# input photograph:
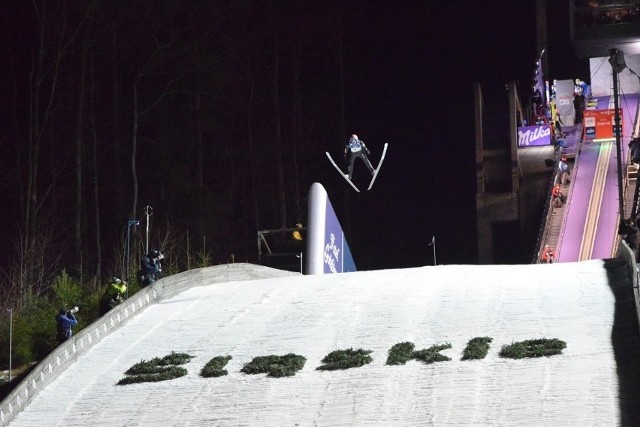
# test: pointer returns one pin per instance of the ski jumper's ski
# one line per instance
(375, 172)
(345, 176)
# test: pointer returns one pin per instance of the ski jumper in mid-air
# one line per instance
(356, 148)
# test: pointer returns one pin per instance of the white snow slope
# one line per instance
(315, 315)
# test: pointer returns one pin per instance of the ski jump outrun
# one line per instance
(354, 149)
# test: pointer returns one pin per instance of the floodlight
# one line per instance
(617, 60)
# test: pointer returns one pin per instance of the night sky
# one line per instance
(409, 71)
(418, 62)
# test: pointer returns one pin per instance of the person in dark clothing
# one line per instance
(65, 320)
(356, 148)
(536, 98)
(629, 231)
(578, 106)
(634, 150)
(558, 128)
(151, 267)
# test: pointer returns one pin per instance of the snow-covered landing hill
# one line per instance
(593, 383)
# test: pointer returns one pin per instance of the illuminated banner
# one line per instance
(327, 248)
(529, 136)
(599, 124)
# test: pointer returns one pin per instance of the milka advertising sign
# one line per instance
(529, 136)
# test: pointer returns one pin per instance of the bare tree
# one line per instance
(95, 176)
(57, 32)
(79, 128)
(296, 134)
(161, 54)
(281, 190)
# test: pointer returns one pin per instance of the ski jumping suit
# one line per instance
(356, 148)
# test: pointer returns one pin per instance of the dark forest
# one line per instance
(214, 117)
(204, 111)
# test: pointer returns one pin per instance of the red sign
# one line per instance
(598, 124)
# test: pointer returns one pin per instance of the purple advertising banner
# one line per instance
(529, 136)
(332, 253)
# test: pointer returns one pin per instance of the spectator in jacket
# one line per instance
(548, 255)
(563, 170)
(558, 198)
(113, 296)
(65, 320)
(151, 267)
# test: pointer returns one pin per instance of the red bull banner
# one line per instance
(327, 248)
(599, 124)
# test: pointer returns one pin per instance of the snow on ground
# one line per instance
(314, 315)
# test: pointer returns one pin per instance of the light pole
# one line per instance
(148, 210)
(300, 256)
(634, 205)
(131, 222)
(10, 339)
(433, 243)
(617, 65)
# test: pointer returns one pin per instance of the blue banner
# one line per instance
(336, 256)
(327, 248)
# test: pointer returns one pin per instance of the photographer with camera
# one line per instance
(151, 267)
(65, 320)
(113, 296)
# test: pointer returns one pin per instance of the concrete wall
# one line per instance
(68, 352)
(627, 255)
(492, 208)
